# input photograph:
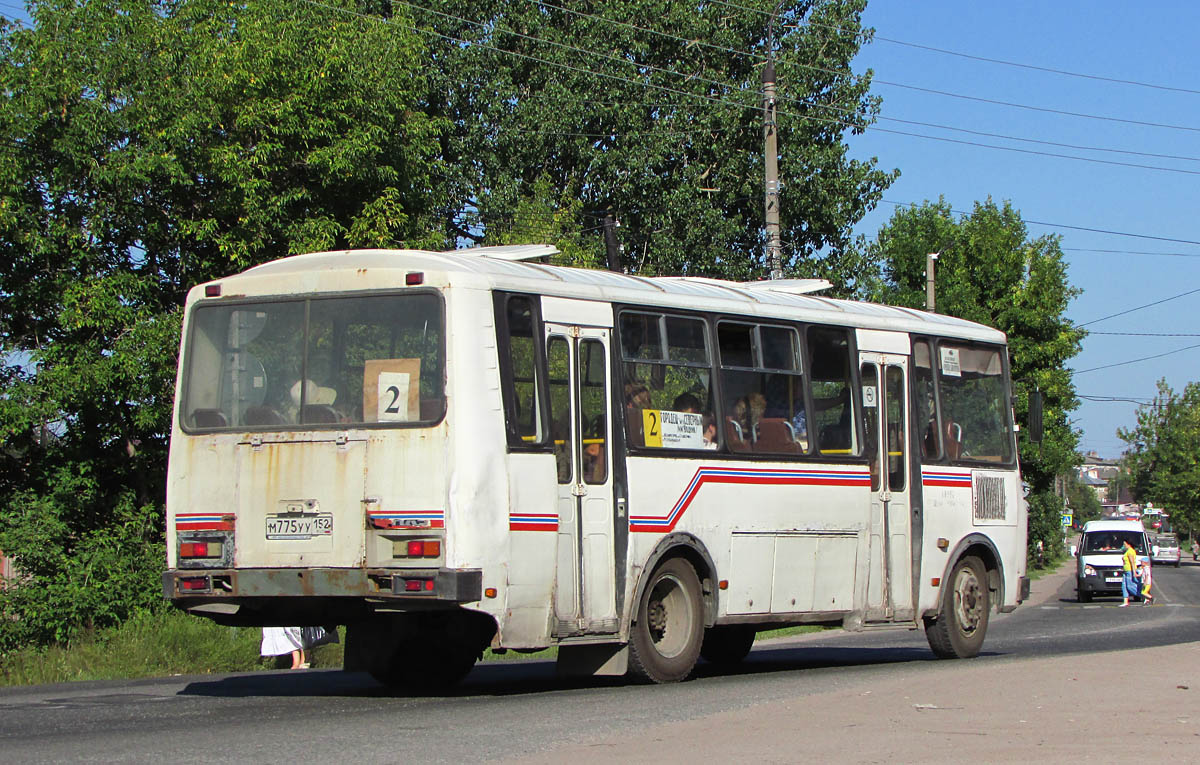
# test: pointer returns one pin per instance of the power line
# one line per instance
(1063, 225)
(759, 57)
(1147, 334)
(726, 86)
(1135, 361)
(944, 51)
(1138, 308)
(1014, 105)
(1035, 67)
(1133, 252)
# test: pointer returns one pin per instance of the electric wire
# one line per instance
(1138, 308)
(760, 58)
(985, 59)
(1135, 361)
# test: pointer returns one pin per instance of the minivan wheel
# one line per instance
(1084, 597)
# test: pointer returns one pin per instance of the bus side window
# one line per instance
(924, 392)
(833, 407)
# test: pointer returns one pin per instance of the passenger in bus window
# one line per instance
(690, 404)
(637, 395)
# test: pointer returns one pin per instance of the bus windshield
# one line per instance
(316, 363)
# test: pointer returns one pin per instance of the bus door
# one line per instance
(885, 413)
(581, 426)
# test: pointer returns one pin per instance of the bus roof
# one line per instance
(510, 268)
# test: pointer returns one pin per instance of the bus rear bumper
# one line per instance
(189, 587)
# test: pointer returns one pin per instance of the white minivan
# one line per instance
(1098, 556)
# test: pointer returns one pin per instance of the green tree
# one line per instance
(146, 146)
(652, 109)
(1082, 499)
(1163, 459)
(990, 271)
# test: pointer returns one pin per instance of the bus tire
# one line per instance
(727, 645)
(958, 630)
(665, 639)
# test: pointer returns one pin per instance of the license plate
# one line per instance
(299, 526)
(1112, 579)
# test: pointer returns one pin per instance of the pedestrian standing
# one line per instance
(1195, 549)
(1129, 562)
(277, 641)
(1146, 577)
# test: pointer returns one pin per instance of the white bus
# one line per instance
(456, 450)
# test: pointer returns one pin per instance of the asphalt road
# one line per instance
(521, 711)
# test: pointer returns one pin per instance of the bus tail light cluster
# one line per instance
(417, 548)
(419, 585)
(200, 549)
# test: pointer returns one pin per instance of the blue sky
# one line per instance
(1150, 43)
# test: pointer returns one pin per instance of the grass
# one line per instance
(151, 645)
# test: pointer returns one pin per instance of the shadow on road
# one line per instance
(536, 677)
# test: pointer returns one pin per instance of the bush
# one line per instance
(150, 645)
(1045, 525)
(76, 573)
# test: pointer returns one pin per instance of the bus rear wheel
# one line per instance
(664, 642)
(727, 644)
(958, 630)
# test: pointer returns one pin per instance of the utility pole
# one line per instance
(930, 259)
(610, 245)
(771, 154)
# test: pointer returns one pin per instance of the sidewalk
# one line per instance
(1059, 709)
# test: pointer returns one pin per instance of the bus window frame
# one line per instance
(936, 342)
(717, 389)
(516, 443)
(306, 299)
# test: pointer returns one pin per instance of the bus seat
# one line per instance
(319, 414)
(734, 436)
(775, 437)
(263, 415)
(209, 418)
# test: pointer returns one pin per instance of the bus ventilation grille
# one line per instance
(989, 498)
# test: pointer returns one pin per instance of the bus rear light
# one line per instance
(936, 581)
(212, 290)
(194, 583)
(417, 548)
(413, 278)
(418, 585)
(200, 550)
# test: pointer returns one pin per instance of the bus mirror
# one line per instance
(1035, 416)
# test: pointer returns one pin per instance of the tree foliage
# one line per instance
(990, 271)
(1163, 459)
(146, 146)
(652, 109)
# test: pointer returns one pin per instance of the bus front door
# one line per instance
(581, 425)
(885, 412)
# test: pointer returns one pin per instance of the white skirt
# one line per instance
(277, 641)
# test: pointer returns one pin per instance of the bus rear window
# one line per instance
(322, 363)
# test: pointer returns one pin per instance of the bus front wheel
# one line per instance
(664, 642)
(958, 630)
